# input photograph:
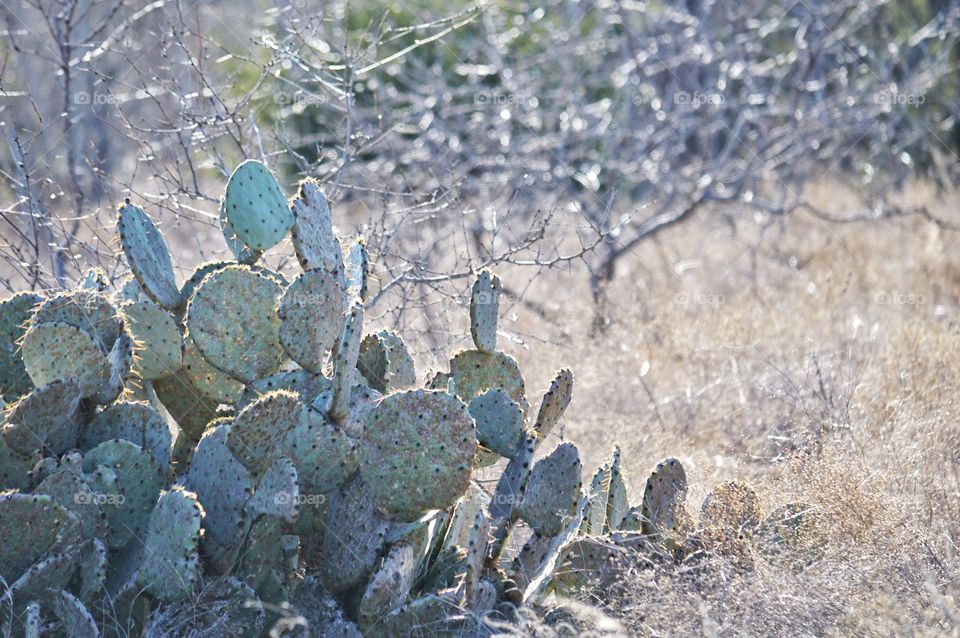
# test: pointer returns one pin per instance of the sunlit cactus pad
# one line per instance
(146, 252)
(255, 207)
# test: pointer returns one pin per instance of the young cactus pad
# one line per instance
(485, 310)
(554, 403)
(312, 233)
(233, 319)
(147, 255)
(255, 207)
(417, 450)
(663, 511)
(474, 372)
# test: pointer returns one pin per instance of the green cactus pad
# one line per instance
(499, 422)
(241, 252)
(307, 384)
(121, 363)
(15, 313)
(345, 365)
(214, 384)
(728, 517)
(476, 555)
(255, 206)
(617, 505)
(354, 535)
(554, 403)
(386, 363)
(312, 233)
(171, 561)
(136, 422)
(147, 255)
(475, 372)
(193, 282)
(509, 488)
(59, 351)
(259, 431)
(323, 453)
(51, 531)
(52, 572)
(88, 310)
(76, 496)
(389, 586)
(417, 450)
(552, 491)
(191, 409)
(595, 515)
(363, 400)
(595, 560)
(156, 340)
(233, 320)
(222, 485)
(92, 570)
(356, 270)
(277, 493)
(663, 513)
(311, 312)
(75, 619)
(139, 479)
(485, 310)
(15, 471)
(464, 515)
(44, 419)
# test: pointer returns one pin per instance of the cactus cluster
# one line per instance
(238, 440)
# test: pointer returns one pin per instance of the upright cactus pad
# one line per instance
(312, 314)
(356, 270)
(156, 340)
(416, 451)
(259, 431)
(88, 310)
(485, 311)
(222, 485)
(323, 453)
(44, 419)
(147, 255)
(345, 364)
(499, 422)
(554, 403)
(474, 372)
(15, 313)
(140, 481)
(354, 535)
(386, 363)
(255, 206)
(313, 239)
(553, 491)
(190, 408)
(617, 506)
(241, 252)
(137, 422)
(170, 563)
(389, 586)
(663, 512)
(57, 351)
(74, 617)
(120, 361)
(211, 382)
(233, 320)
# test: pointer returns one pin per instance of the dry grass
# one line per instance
(817, 361)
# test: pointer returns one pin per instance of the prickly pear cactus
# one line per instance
(51, 528)
(255, 207)
(728, 517)
(417, 450)
(190, 408)
(385, 362)
(170, 565)
(212, 383)
(312, 314)
(156, 340)
(354, 536)
(259, 431)
(232, 318)
(553, 491)
(44, 419)
(57, 351)
(499, 422)
(312, 233)
(136, 422)
(554, 403)
(475, 372)
(485, 311)
(15, 313)
(147, 254)
(323, 453)
(663, 513)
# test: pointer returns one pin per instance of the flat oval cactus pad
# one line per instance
(256, 207)
(233, 319)
(53, 351)
(417, 451)
(474, 372)
(156, 340)
(312, 234)
(312, 314)
(147, 255)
